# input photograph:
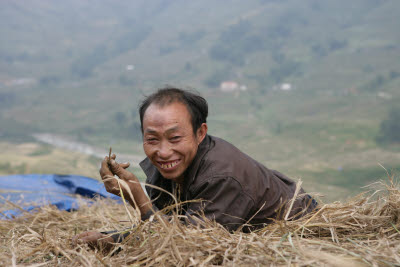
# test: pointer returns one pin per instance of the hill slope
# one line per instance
(80, 68)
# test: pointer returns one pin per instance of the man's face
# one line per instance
(168, 139)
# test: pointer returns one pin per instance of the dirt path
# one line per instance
(68, 144)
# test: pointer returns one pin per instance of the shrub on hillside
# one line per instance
(7, 99)
(285, 69)
(127, 126)
(236, 42)
(390, 128)
(188, 38)
(375, 84)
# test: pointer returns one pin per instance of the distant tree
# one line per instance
(278, 127)
(7, 99)
(24, 56)
(368, 68)
(120, 118)
(166, 49)
(375, 84)
(235, 43)
(283, 70)
(319, 50)
(134, 114)
(124, 80)
(132, 39)
(127, 125)
(188, 66)
(390, 128)
(215, 79)
(278, 56)
(279, 30)
(87, 130)
(394, 75)
(83, 66)
(49, 80)
(134, 131)
(188, 38)
(82, 69)
(227, 52)
(253, 43)
(337, 44)
(236, 31)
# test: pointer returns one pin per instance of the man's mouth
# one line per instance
(169, 165)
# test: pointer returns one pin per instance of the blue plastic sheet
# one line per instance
(34, 190)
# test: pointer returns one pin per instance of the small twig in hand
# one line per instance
(109, 158)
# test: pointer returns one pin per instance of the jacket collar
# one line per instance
(191, 172)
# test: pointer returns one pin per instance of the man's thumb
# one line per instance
(124, 165)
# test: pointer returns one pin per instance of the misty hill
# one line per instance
(308, 82)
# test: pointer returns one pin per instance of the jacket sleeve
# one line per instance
(223, 200)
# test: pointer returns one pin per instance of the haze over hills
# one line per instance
(311, 80)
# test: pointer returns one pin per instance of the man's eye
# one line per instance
(151, 139)
(175, 138)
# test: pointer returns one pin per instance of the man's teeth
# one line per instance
(170, 165)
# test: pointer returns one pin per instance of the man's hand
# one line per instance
(94, 240)
(109, 168)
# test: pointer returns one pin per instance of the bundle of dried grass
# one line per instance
(364, 231)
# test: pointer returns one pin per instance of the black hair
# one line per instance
(196, 104)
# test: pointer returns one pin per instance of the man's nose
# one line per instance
(165, 150)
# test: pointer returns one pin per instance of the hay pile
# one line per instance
(364, 231)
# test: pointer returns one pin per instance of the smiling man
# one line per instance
(170, 136)
(190, 164)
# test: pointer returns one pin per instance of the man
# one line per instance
(187, 162)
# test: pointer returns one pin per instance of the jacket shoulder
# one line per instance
(225, 160)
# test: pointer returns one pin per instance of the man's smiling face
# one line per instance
(168, 139)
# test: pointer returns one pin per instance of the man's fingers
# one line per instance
(93, 239)
(124, 165)
(105, 170)
(85, 237)
(76, 240)
(104, 163)
(120, 170)
(115, 167)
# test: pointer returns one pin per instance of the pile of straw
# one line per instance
(363, 231)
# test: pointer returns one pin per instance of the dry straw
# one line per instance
(363, 231)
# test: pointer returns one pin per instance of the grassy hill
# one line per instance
(80, 68)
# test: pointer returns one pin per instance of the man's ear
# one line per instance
(201, 132)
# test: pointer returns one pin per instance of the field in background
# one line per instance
(27, 158)
(74, 70)
(332, 184)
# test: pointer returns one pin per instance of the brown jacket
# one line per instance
(235, 188)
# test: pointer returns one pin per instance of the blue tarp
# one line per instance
(47, 189)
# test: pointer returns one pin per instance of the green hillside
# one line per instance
(80, 68)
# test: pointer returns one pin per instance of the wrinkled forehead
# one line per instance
(174, 114)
